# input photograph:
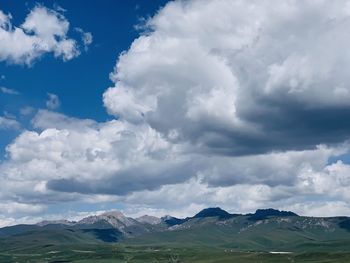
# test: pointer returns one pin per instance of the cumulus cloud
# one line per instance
(43, 31)
(118, 157)
(263, 76)
(243, 111)
(45, 119)
(141, 168)
(189, 197)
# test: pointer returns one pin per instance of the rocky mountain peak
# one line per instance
(146, 219)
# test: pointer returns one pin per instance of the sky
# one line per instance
(157, 107)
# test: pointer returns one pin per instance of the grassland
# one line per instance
(208, 240)
(122, 253)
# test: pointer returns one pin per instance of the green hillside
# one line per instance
(209, 236)
(297, 234)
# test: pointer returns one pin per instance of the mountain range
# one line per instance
(264, 230)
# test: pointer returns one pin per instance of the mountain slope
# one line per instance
(214, 212)
(265, 230)
(241, 233)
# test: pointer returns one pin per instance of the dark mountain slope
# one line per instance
(261, 214)
(214, 212)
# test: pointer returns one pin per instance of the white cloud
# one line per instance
(86, 37)
(43, 31)
(188, 198)
(53, 101)
(333, 208)
(45, 119)
(134, 165)
(250, 81)
(8, 124)
(9, 91)
(243, 110)
(89, 154)
(27, 110)
(20, 208)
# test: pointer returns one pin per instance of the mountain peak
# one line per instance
(213, 212)
(270, 212)
(114, 218)
(152, 220)
(114, 213)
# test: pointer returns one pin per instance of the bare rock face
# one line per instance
(115, 218)
(146, 219)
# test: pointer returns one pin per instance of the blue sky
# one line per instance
(157, 107)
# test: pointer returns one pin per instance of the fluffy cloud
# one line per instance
(262, 76)
(244, 110)
(85, 157)
(45, 119)
(43, 31)
(92, 162)
(189, 197)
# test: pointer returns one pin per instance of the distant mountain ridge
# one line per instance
(152, 220)
(56, 222)
(265, 213)
(118, 220)
(222, 214)
(263, 230)
(130, 227)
